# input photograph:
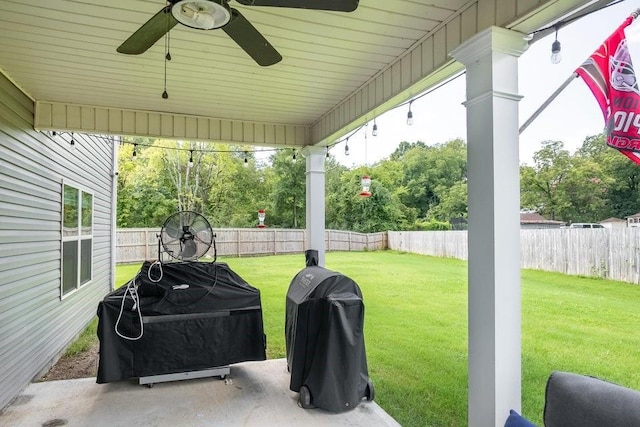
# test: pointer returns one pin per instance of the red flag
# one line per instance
(609, 74)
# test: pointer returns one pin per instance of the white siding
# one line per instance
(35, 325)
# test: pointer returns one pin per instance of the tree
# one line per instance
(381, 211)
(288, 190)
(622, 176)
(182, 165)
(144, 199)
(404, 147)
(232, 187)
(542, 185)
(586, 192)
(453, 203)
(333, 184)
(429, 171)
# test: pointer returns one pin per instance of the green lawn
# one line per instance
(416, 328)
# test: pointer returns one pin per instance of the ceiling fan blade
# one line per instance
(250, 39)
(147, 35)
(335, 5)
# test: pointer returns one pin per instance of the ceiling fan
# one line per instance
(212, 14)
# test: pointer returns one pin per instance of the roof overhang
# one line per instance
(338, 71)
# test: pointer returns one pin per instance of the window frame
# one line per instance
(79, 237)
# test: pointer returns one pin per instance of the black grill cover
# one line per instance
(324, 338)
(215, 321)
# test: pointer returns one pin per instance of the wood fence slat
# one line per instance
(606, 253)
(136, 245)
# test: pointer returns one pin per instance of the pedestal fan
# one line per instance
(186, 236)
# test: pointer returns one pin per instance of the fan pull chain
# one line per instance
(167, 57)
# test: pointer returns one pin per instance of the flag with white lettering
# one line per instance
(609, 74)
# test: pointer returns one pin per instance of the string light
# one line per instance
(410, 114)
(72, 142)
(556, 57)
(345, 139)
(190, 164)
(246, 160)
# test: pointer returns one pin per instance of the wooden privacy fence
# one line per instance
(139, 244)
(606, 253)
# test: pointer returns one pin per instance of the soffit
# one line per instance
(64, 52)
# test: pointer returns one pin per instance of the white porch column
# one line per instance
(490, 59)
(315, 199)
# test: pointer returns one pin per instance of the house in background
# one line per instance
(529, 220)
(614, 223)
(633, 220)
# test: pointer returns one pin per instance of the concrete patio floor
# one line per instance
(253, 394)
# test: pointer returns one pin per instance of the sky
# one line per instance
(570, 118)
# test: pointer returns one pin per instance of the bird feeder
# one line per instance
(261, 216)
(366, 185)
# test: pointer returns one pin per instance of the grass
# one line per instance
(84, 342)
(416, 328)
(88, 337)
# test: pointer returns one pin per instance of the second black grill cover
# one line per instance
(324, 338)
(199, 316)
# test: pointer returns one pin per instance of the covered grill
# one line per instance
(325, 341)
(177, 318)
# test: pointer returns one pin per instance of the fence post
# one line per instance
(238, 242)
(146, 244)
(275, 243)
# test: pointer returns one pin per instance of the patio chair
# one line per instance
(573, 400)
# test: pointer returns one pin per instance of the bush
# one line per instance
(432, 225)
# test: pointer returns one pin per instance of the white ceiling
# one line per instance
(65, 51)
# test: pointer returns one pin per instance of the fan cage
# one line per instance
(186, 236)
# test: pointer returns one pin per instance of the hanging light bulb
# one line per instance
(327, 152)
(294, 155)
(246, 160)
(133, 156)
(346, 147)
(556, 57)
(167, 58)
(190, 164)
(72, 142)
(374, 131)
(410, 115)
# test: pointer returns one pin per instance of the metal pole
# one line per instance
(546, 103)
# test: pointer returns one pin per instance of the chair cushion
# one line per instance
(517, 420)
(573, 400)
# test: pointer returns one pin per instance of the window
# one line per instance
(77, 238)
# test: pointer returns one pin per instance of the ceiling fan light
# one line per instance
(201, 14)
